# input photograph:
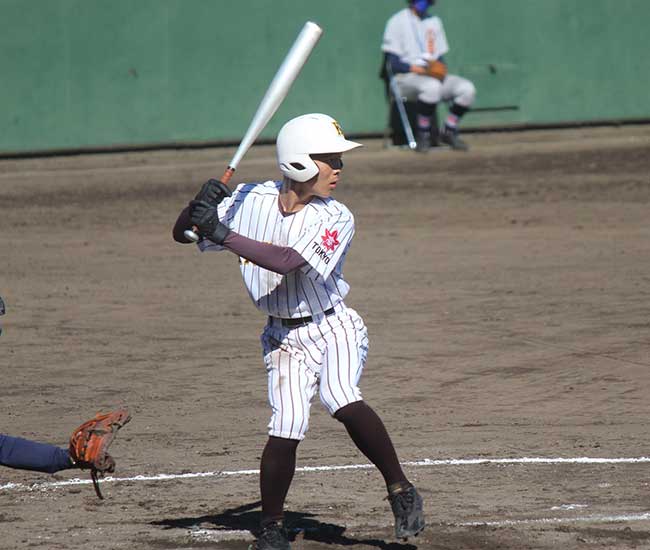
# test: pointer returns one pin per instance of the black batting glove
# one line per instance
(206, 219)
(213, 192)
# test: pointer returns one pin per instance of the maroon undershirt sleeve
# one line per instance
(281, 259)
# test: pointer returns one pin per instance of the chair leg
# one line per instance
(435, 128)
(388, 128)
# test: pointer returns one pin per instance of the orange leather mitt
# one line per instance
(437, 69)
(89, 443)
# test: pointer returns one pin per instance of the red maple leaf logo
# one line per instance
(330, 240)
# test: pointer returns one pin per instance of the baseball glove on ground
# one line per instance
(437, 69)
(89, 443)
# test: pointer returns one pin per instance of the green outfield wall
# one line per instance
(100, 73)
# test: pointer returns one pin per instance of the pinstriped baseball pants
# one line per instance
(326, 355)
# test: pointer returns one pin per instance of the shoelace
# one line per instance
(405, 499)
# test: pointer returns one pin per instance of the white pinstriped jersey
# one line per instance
(321, 233)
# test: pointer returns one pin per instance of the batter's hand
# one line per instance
(206, 219)
(213, 192)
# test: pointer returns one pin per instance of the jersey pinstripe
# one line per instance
(321, 233)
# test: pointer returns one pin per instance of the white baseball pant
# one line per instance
(326, 355)
(430, 90)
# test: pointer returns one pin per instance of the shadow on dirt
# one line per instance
(301, 526)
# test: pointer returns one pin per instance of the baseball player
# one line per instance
(292, 239)
(87, 448)
(415, 45)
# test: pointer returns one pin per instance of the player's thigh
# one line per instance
(291, 387)
(343, 360)
(415, 87)
(458, 89)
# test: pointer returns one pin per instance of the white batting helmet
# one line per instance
(306, 135)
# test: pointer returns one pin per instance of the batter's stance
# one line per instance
(292, 238)
(415, 44)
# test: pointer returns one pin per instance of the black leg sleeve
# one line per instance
(369, 434)
(426, 109)
(458, 110)
(276, 473)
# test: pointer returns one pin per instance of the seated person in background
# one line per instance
(415, 43)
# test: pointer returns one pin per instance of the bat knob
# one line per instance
(189, 234)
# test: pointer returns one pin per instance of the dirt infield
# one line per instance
(507, 296)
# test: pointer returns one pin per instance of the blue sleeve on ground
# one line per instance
(23, 454)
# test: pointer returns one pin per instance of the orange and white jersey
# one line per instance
(415, 41)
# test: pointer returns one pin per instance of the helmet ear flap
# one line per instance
(302, 168)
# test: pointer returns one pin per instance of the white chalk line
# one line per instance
(220, 534)
(418, 463)
(231, 534)
(542, 521)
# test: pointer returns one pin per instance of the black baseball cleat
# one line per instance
(451, 138)
(423, 142)
(407, 509)
(273, 536)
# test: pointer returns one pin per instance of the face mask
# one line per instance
(421, 6)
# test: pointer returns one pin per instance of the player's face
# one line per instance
(329, 171)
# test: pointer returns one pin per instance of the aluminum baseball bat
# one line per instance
(406, 125)
(274, 96)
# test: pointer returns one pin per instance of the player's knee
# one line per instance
(348, 411)
(467, 94)
(431, 92)
(292, 435)
(281, 446)
(343, 397)
(431, 98)
(292, 426)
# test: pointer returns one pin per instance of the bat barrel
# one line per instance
(279, 87)
(275, 94)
